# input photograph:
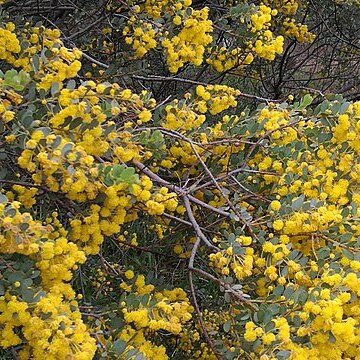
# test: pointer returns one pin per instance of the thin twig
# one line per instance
(196, 305)
(183, 221)
(83, 31)
(15, 354)
(195, 225)
(97, 62)
(248, 190)
(231, 173)
(194, 82)
(22, 183)
(226, 286)
(180, 136)
(232, 207)
(145, 249)
(178, 189)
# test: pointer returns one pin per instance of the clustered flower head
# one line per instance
(189, 44)
(299, 31)
(223, 60)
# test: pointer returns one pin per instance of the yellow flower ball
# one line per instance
(129, 274)
(275, 205)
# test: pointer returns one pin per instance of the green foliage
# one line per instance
(118, 174)
(15, 80)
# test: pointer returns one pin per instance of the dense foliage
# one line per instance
(150, 209)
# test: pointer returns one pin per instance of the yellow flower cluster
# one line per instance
(181, 117)
(268, 47)
(262, 18)
(329, 316)
(167, 311)
(215, 98)
(226, 260)
(252, 332)
(6, 114)
(212, 99)
(287, 7)
(58, 259)
(298, 31)
(220, 262)
(140, 35)
(188, 46)
(263, 21)
(194, 346)
(9, 44)
(320, 219)
(345, 131)
(117, 208)
(273, 120)
(63, 67)
(60, 65)
(8, 99)
(158, 9)
(221, 59)
(265, 45)
(23, 239)
(50, 326)
(182, 152)
(163, 200)
(25, 195)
